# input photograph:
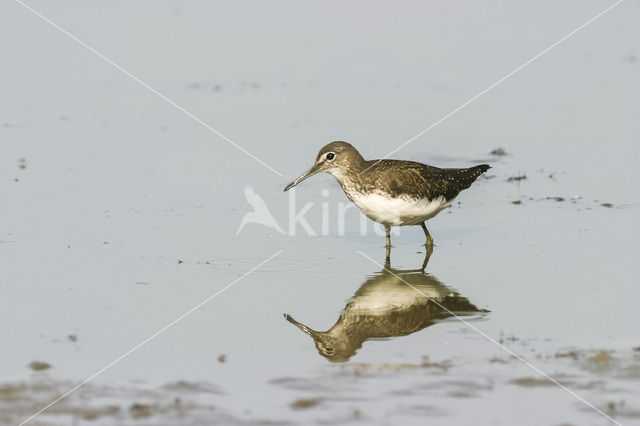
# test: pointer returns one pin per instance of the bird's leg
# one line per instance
(427, 255)
(387, 229)
(429, 242)
(387, 264)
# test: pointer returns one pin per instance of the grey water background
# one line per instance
(118, 186)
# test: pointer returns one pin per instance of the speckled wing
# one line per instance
(422, 181)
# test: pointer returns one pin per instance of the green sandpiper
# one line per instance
(392, 192)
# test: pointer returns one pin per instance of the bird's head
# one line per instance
(335, 158)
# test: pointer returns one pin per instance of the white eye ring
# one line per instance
(330, 156)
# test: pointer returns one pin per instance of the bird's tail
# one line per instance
(468, 176)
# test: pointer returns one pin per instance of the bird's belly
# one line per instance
(399, 211)
(394, 296)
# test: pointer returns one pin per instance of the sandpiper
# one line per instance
(392, 192)
(391, 303)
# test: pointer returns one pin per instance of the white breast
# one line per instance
(394, 294)
(387, 210)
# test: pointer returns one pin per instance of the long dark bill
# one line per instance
(312, 171)
(299, 325)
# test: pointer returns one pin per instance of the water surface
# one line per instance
(119, 214)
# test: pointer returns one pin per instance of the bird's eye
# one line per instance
(330, 156)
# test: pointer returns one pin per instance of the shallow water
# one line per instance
(124, 213)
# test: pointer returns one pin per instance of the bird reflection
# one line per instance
(390, 303)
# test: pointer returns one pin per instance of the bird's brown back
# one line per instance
(418, 180)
